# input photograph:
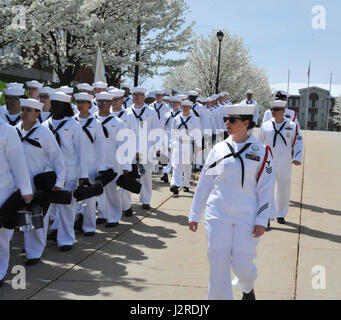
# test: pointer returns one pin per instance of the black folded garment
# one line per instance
(57, 197)
(84, 192)
(9, 210)
(126, 182)
(105, 177)
(45, 181)
(134, 174)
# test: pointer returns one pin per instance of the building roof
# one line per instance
(294, 87)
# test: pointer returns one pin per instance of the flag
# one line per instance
(100, 70)
(309, 70)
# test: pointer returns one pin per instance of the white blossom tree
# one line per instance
(237, 72)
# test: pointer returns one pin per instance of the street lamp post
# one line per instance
(137, 59)
(220, 36)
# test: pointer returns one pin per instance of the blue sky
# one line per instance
(278, 34)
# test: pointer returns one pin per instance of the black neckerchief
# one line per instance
(158, 110)
(278, 132)
(120, 114)
(27, 138)
(105, 130)
(41, 119)
(139, 116)
(195, 112)
(184, 123)
(14, 122)
(249, 102)
(55, 131)
(86, 130)
(234, 155)
(172, 116)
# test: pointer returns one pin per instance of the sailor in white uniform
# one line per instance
(147, 121)
(249, 100)
(86, 88)
(186, 130)
(42, 154)
(110, 203)
(14, 175)
(68, 133)
(127, 116)
(13, 95)
(128, 99)
(94, 144)
(286, 142)
(236, 187)
(33, 89)
(69, 91)
(44, 97)
(99, 87)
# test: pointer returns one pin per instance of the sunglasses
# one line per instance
(231, 119)
(138, 94)
(276, 109)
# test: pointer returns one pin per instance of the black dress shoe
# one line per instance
(89, 234)
(146, 206)
(52, 236)
(101, 220)
(2, 281)
(112, 225)
(165, 178)
(186, 189)
(281, 220)
(174, 189)
(32, 262)
(128, 213)
(79, 223)
(249, 296)
(65, 248)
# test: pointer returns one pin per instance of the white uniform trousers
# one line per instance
(126, 199)
(101, 206)
(34, 242)
(65, 217)
(282, 188)
(167, 169)
(5, 238)
(230, 246)
(113, 203)
(146, 181)
(181, 175)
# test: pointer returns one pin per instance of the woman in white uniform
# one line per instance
(68, 133)
(13, 175)
(236, 185)
(42, 154)
(93, 142)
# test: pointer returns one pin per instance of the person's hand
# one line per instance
(84, 181)
(158, 153)
(199, 149)
(55, 188)
(170, 150)
(28, 198)
(296, 163)
(258, 231)
(193, 226)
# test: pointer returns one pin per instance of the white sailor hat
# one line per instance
(14, 92)
(215, 96)
(159, 92)
(60, 96)
(240, 109)
(282, 92)
(193, 93)
(139, 90)
(224, 93)
(249, 92)
(104, 96)
(84, 86)
(117, 93)
(65, 89)
(278, 104)
(176, 99)
(175, 90)
(46, 89)
(83, 96)
(167, 98)
(34, 84)
(100, 85)
(167, 93)
(201, 99)
(182, 96)
(187, 103)
(209, 99)
(32, 103)
(15, 85)
(125, 85)
(111, 88)
(197, 90)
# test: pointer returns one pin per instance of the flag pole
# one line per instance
(307, 103)
(288, 81)
(328, 103)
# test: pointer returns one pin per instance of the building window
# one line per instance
(290, 103)
(313, 100)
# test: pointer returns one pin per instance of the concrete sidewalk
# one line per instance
(153, 255)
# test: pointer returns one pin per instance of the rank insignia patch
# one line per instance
(252, 157)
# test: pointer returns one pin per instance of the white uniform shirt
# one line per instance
(226, 194)
(93, 142)
(111, 126)
(288, 145)
(71, 136)
(288, 114)
(12, 119)
(13, 169)
(168, 123)
(128, 102)
(44, 116)
(47, 157)
(3, 111)
(161, 110)
(256, 114)
(187, 128)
